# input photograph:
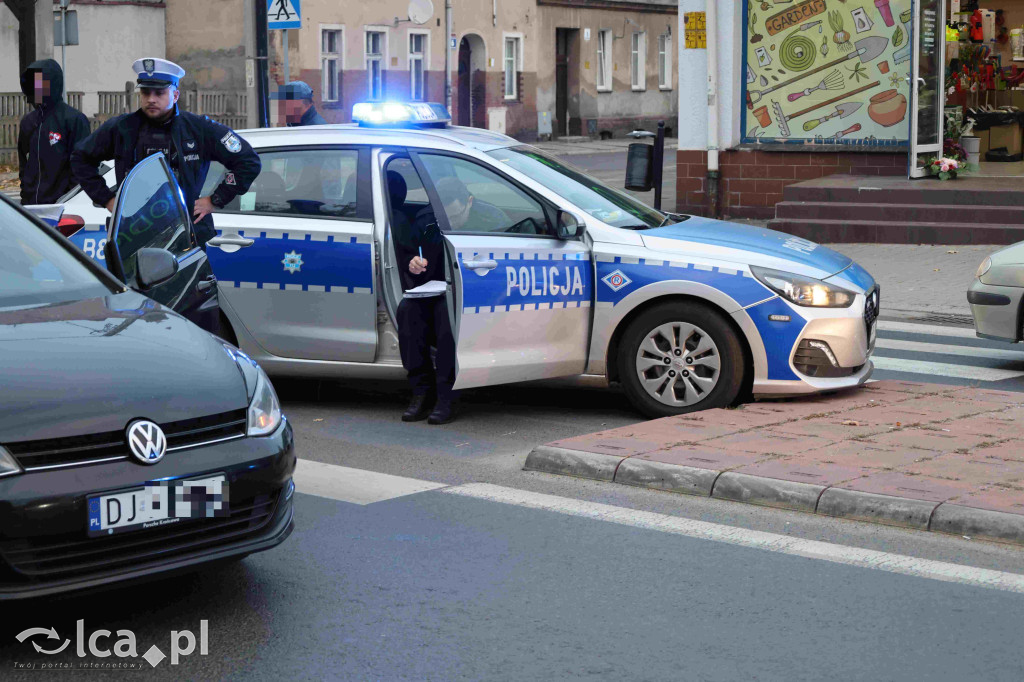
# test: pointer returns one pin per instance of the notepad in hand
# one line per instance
(434, 287)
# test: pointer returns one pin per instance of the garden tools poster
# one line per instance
(827, 71)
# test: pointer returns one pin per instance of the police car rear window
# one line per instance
(605, 203)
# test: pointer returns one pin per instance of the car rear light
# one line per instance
(70, 224)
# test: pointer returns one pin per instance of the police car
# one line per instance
(568, 277)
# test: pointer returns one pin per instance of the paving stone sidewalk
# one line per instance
(941, 458)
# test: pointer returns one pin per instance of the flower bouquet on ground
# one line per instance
(947, 168)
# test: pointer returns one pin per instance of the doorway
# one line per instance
(472, 82)
(567, 82)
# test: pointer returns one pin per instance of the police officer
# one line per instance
(188, 141)
(422, 321)
(295, 105)
(47, 135)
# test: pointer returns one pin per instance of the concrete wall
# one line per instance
(8, 51)
(207, 38)
(622, 109)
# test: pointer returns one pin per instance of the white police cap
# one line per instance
(157, 73)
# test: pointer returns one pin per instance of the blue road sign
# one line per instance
(283, 14)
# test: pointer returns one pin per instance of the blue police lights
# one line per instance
(401, 114)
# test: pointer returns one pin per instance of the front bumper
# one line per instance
(996, 310)
(45, 548)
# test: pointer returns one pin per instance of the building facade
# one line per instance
(528, 68)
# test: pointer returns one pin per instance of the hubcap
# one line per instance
(670, 378)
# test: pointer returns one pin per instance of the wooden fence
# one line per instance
(226, 106)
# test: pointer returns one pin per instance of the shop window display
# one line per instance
(828, 72)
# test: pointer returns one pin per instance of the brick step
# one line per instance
(901, 213)
(889, 232)
(968, 192)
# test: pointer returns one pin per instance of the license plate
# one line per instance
(158, 504)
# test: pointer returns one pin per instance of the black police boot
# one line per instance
(443, 413)
(419, 407)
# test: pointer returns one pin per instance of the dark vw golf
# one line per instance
(132, 442)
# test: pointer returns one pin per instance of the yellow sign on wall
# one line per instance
(696, 37)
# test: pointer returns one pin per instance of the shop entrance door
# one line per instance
(927, 84)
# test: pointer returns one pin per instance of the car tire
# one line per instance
(680, 357)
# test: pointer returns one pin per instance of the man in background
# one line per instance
(47, 135)
(295, 105)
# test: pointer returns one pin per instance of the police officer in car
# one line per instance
(295, 105)
(190, 142)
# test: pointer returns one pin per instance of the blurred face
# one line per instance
(41, 86)
(158, 103)
(291, 110)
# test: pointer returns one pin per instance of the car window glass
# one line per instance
(307, 182)
(605, 203)
(476, 199)
(35, 269)
(415, 192)
(150, 215)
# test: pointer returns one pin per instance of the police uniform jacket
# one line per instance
(196, 140)
(46, 138)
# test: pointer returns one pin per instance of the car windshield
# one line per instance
(35, 269)
(605, 203)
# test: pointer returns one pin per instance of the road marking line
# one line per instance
(928, 329)
(944, 370)
(357, 486)
(945, 349)
(772, 542)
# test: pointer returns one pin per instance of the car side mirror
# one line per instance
(569, 226)
(640, 167)
(154, 266)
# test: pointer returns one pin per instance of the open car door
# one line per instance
(151, 246)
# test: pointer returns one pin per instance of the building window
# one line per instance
(639, 61)
(604, 60)
(330, 64)
(418, 51)
(375, 64)
(665, 62)
(513, 48)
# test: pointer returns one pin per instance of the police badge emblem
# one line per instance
(231, 143)
(149, 66)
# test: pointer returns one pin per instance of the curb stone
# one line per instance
(767, 492)
(671, 477)
(978, 523)
(892, 511)
(554, 460)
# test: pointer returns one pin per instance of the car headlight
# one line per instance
(804, 291)
(264, 410)
(8, 465)
(985, 266)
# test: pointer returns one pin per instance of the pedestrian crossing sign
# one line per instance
(283, 14)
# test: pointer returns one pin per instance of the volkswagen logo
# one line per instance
(147, 442)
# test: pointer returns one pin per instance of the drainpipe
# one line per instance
(448, 55)
(711, 30)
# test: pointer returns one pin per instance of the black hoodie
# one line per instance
(47, 137)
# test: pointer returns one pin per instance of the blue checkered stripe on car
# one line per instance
(297, 261)
(541, 280)
(618, 277)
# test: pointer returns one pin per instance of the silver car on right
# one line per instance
(996, 295)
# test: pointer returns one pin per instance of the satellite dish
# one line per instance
(420, 11)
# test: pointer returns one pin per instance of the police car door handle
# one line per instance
(207, 283)
(229, 240)
(480, 264)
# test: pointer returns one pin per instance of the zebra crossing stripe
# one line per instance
(926, 329)
(943, 369)
(946, 349)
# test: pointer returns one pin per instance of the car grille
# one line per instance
(54, 558)
(53, 453)
(872, 304)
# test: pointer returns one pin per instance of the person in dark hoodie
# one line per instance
(189, 141)
(47, 135)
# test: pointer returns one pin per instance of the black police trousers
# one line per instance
(422, 323)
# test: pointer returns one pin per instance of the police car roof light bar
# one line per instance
(401, 114)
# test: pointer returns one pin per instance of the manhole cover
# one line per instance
(947, 318)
